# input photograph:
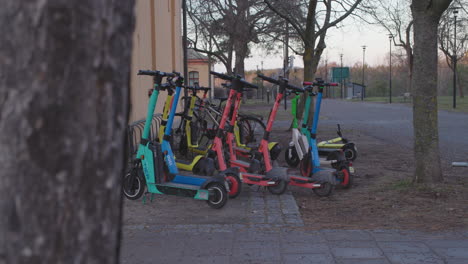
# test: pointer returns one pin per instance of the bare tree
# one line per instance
(311, 22)
(64, 82)
(395, 17)
(446, 38)
(224, 29)
(426, 16)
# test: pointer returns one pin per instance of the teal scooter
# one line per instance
(311, 162)
(154, 166)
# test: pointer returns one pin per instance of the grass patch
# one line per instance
(402, 185)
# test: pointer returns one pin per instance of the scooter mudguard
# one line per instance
(325, 176)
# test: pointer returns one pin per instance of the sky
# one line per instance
(347, 40)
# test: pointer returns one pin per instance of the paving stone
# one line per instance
(255, 250)
(353, 244)
(291, 236)
(303, 247)
(257, 235)
(456, 261)
(414, 258)
(372, 252)
(353, 235)
(392, 235)
(204, 259)
(452, 252)
(275, 219)
(308, 258)
(362, 261)
(217, 245)
(448, 243)
(416, 247)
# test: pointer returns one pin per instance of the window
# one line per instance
(193, 78)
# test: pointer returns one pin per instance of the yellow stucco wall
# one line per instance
(157, 45)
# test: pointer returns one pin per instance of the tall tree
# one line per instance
(64, 82)
(426, 16)
(311, 22)
(225, 29)
(446, 38)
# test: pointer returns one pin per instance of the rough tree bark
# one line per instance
(64, 78)
(426, 15)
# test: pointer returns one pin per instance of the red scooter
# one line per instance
(259, 170)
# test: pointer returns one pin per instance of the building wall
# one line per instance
(157, 45)
(202, 67)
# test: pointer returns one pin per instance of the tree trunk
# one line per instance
(64, 82)
(409, 56)
(241, 50)
(426, 15)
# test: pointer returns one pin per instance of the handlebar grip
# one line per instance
(222, 76)
(332, 84)
(268, 79)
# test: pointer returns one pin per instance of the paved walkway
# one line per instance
(264, 228)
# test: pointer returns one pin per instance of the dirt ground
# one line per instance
(383, 196)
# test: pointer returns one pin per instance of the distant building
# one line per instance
(199, 68)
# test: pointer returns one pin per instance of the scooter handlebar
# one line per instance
(278, 82)
(156, 73)
(232, 78)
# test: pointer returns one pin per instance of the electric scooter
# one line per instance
(155, 165)
(299, 146)
(349, 148)
(258, 170)
(311, 162)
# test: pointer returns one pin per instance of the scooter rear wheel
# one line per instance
(350, 153)
(235, 185)
(326, 189)
(135, 189)
(291, 157)
(279, 188)
(218, 196)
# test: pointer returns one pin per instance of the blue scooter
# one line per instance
(155, 166)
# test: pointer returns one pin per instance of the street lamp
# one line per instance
(363, 64)
(341, 75)
(390, 37)
(455, 12)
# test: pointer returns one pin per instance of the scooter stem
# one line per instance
(149, 114)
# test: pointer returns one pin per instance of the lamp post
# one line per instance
(455, 12)
(390, 37)
(363, 65)
(341, 75)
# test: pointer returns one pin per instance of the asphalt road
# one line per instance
(393, 123)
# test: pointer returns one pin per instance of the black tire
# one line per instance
(235, 185)
(346, 184)
(218, 197)
(305, 166)
(251, 130)
(133, 190)
(350, 153)
(279, 188)
(326, 189)
(291, 157)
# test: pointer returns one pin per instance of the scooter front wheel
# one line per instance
(218, 196)
(235, 185)
(279, 188)
(133, 186)
(347, 178)
(325, 189)
(291, 157)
